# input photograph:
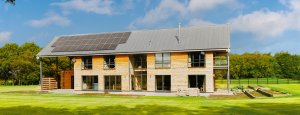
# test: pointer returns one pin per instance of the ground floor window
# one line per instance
(197, 81)
(112, 82)
(163, 82)
(90, 82)
(139, 80)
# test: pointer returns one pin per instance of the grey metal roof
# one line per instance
(202, 38)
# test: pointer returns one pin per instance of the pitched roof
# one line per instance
(202, 38)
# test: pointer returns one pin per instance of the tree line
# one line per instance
(262, 65)
(19, 65)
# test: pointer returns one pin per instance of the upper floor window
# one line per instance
(196, 59)
(87, 62)
(140, 61)
(162, 60)
(109, 62)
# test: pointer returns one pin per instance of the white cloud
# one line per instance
(162, 12)
(50, 18)
(262, 23)
(195, 22)
(202, 5)
(167, 9)
(4, 36)
(93, 6)
(265, 23)
(128, 4)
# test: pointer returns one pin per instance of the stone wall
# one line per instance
(179, 71)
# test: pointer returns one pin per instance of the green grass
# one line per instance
(294, 89)
(22, 101)
(259, 81)
(19, 88)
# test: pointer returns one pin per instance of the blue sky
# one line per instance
(256, 25)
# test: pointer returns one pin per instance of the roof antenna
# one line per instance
(179, 33)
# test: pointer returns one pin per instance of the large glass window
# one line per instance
(140, 61)
(109, 62)
(112, 82)
(162, 60)
(87, 62)
(163, 82)
(89, 82)
(196, 59)
(197, 81)
(139, 80)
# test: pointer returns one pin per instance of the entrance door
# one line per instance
(112, 82)
(163, 82)
(197, 81)
(72, 82)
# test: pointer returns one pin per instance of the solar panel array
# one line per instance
(92, 42)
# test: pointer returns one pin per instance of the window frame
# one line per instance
(86, 65)
(163, 78)
(143, 76)
(191, 60)
(140, 60)
(163, 59)
(93, 79)
(197, 76)
(112, 78)
(106, 65)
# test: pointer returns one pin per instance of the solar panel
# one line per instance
(112, 46)
(91, 42)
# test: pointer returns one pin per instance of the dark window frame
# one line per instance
(194, 62)
(197, 77)
(143, 76)
(140, 60)
(92, 77)
(163, 77)
(87, 63)
(109, 62)
(109, 81)
(164, 61)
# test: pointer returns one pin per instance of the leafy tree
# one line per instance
(8, 54)
(11, 1)
(289, 64)
(253, 65)
(19, 64)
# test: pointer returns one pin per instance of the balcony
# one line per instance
(220, 62)
(139, 62)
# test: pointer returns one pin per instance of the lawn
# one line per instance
(24, 101)
(259, 81)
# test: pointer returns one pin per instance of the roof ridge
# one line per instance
(183, 27)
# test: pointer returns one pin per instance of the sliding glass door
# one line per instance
(90, 82)
(197, 81)
(139, 80)
(163, 82)
(112, 82)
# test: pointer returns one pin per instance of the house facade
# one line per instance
(162, 60)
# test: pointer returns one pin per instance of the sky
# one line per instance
(266, 26)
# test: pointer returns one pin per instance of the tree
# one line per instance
(253, 65)
(18, 64)
(27, 64)
(11, 1)
(8, 53)
(289, 64)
